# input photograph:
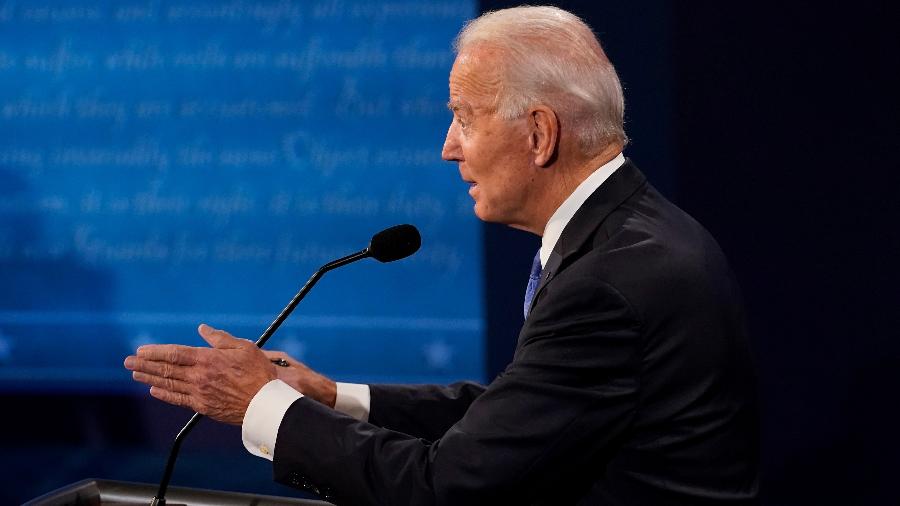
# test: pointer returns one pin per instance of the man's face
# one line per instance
(493, 153)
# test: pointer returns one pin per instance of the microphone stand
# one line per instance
(160, 498)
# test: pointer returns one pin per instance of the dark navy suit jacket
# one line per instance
(631, 384)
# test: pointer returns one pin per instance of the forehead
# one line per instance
(474, 79)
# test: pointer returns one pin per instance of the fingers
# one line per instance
(218, 338)
(169, 384)
(162, 369)
(171, 353)
(218, 382)
(176, 398)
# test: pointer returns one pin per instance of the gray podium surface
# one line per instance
(92, 492)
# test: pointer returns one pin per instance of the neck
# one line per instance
(562, 180)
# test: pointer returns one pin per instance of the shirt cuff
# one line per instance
(259, 430)
(354, 400)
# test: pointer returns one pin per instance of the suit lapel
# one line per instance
(605, 199)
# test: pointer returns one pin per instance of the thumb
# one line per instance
(217, 338)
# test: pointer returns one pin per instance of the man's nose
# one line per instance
(451, 151)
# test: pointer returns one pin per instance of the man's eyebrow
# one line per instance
(456, 105)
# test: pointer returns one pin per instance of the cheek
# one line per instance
(514, 184)
(495, 155)
(477, 153)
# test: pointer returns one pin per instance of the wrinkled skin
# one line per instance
(220, 381)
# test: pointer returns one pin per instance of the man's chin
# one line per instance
(481, 213)
(493, 217)
(488, 216)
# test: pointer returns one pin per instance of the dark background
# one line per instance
(775, 125)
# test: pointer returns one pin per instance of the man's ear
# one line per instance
(544, 134)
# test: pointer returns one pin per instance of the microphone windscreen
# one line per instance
(399, 241)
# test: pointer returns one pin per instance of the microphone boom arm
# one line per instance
(160, 498)
(340, 262)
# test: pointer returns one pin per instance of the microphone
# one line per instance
(391, 244)
(394, 243)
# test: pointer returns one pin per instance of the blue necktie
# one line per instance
(534, 280)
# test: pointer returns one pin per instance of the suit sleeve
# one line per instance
(423, 411)
(560, 407)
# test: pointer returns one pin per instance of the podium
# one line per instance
(92, 492)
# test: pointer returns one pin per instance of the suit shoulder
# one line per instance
(652, 252)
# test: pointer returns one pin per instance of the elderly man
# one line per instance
(631, 382)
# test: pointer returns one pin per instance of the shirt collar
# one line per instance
(573, 202)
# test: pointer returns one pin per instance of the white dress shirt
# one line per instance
(573, 203)
(266, 410)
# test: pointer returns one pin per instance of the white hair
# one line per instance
(551, 56)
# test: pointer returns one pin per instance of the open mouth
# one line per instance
(472, 184)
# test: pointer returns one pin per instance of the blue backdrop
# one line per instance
(166, 164)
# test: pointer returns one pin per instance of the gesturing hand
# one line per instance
(305, 380)
(218, 382)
